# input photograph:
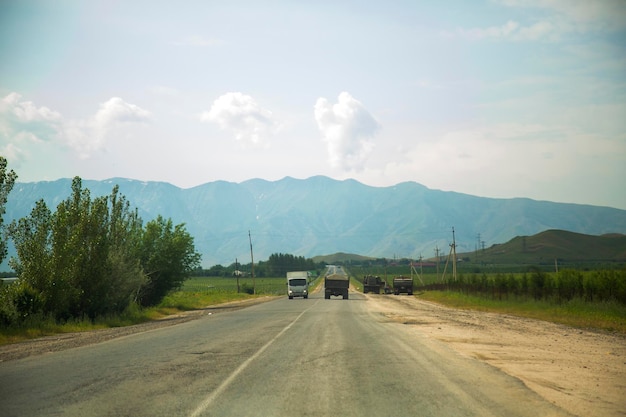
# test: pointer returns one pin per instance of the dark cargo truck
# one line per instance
(402, 284)
(336, 284)
(372, 283)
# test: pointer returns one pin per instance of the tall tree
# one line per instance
(82, 259)
(168, 256)
(32, 237)
(125, 236)
(7, 181)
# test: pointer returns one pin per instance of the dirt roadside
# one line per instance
(583, 372)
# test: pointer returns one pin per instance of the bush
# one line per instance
(245, 288)
(19, 302)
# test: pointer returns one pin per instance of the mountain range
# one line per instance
(319, 215)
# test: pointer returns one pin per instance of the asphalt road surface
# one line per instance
(285, 357)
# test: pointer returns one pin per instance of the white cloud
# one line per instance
(14, 154)
(22, 124)
(88, 136)
(583, 14)
(553, 19)
(539, 30)
(491, 32)
(241, 114)
(116, 111)
(514, 31)
(23, 119)
(347, 128)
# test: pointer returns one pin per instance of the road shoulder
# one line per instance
(583, 372)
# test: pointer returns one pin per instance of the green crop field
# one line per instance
(267, 286)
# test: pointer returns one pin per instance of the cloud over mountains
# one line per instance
(347, 128)
(239, 113)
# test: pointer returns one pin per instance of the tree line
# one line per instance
(557, 287)
(90, 257)
(277, 265)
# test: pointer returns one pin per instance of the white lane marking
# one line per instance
(219, 390)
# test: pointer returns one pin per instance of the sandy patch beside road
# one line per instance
(583, 372)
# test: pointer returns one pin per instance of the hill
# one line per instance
(317, 215)
(561, 245)
(340, 258)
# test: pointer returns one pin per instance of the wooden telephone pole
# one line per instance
(252, 269)
(453, 255)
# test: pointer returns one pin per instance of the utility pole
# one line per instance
(437, 261)
(421, 270)
(413, 269)
(252, 269)
(237, 273)
(476, 248)
(454, 255)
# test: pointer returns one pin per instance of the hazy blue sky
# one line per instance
(502, 98)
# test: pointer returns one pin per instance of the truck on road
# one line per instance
(336, 282)
(402, 284)
(297, 284)
(372, 283)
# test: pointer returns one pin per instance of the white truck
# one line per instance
(298, 284)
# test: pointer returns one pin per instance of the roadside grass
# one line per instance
(608, 316)
(39, 326)
(196, 293)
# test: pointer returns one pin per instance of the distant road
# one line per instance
(296, 357)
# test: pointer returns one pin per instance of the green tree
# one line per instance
(80, 249)
(97, 243)
(217, 271)
(84, 258)
(32, 237)
(93, 257)
(125, 234)
(7, 181)
(168, 257)
(279, 264)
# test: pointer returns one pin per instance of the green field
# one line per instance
(224, 285)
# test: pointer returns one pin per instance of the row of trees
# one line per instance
(558, 287)
(279, 264)
(92, 257)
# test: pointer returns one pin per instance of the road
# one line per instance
(285, 357)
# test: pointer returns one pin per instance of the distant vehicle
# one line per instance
(9, 280)
(336, 283)
(372, 283)
(297, 284)
(402, 284)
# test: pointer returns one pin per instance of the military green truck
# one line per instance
(372, 283)
(402, 284)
